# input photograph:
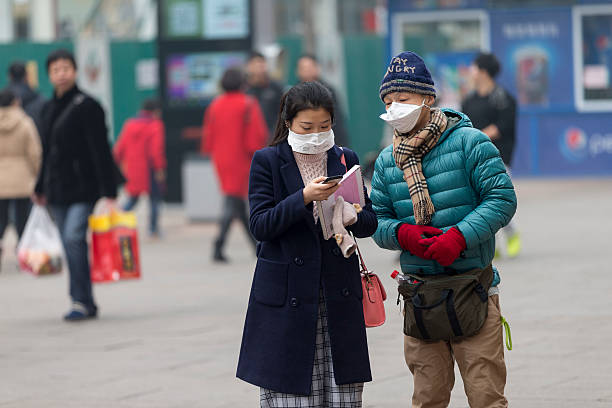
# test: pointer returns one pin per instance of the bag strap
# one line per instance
(74, 102)
(364, 269)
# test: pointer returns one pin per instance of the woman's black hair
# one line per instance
(306, 95)
(7, 97)
(232, 80)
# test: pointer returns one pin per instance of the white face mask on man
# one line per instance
(311, 143)
(403, 116)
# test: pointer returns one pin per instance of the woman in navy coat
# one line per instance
(304, 340)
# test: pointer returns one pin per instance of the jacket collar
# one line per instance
(67, 96)
(456, 120)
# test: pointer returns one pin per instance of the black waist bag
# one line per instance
(446, 307)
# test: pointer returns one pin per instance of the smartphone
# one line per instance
(332, 178)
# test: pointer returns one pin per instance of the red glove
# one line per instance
(444, 248)
(409, 235)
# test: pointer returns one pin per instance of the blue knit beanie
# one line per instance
(407, 73)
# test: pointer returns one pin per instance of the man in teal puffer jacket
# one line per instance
(441, 192)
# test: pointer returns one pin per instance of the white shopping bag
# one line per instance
(40, 249)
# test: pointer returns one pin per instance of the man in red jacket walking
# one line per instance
(141, 154)
(234, 128)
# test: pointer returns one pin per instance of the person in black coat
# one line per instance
(31, 101)
(493, 110)
(308, 70)
(266, 90)
(304, 338)
(77, 170)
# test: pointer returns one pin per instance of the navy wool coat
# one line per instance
(294, 262)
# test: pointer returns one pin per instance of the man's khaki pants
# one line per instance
(480, 359)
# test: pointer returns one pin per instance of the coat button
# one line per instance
(345, 292)
(298, 261)
(336, 251)
(294, 302)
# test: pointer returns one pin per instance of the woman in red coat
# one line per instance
(234, 128)
(141, 154)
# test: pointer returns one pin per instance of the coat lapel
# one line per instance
(289, 169)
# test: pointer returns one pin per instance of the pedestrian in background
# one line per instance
(141, 154)
(77, 170)
(304, 341)
(234, 129)
(440, 192)
(308, 70)
(267, 91)
(31, 101)
(492, 109)
(20, 153)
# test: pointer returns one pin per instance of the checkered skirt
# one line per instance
(325, 392)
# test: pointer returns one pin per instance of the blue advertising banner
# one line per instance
(523, 160)
(412, 5)
(451, 75)
(575, 144)
(534, 48)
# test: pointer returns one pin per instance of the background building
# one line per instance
(556, 57)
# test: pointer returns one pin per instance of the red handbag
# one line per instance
(373, 290)
(374, 296)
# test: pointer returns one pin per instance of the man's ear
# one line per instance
(429, 100)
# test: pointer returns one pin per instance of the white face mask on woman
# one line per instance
(311, 143)
(403, 116)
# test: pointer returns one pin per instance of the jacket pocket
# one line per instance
(270, 282)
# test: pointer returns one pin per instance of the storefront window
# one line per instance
(593, 48)
(448, 41)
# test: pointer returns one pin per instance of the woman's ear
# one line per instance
(429, 100)
(287, 124)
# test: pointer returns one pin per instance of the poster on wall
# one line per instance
(226, 18)
(575, 144)
(193, 78)
(593, 63)
(536, 61)
(451, 75)
(206, 19)
(183, 18)
(92, 58)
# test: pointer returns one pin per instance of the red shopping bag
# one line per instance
(114, 247)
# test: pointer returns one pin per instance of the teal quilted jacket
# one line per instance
(468, 185)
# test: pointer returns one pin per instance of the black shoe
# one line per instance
(219, 257)
(79, 313)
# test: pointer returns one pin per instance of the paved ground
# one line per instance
(172, 339)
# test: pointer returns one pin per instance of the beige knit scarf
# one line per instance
(408, 152)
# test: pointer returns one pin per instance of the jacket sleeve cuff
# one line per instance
(469, 234)
(297, 202)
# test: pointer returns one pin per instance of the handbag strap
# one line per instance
(363, 266)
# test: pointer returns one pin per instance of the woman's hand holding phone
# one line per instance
(316, 190)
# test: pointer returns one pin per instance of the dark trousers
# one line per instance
(21, 207)
(233, 208)
(71, 220)
(155, 198)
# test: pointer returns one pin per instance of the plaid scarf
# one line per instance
(408, 152)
